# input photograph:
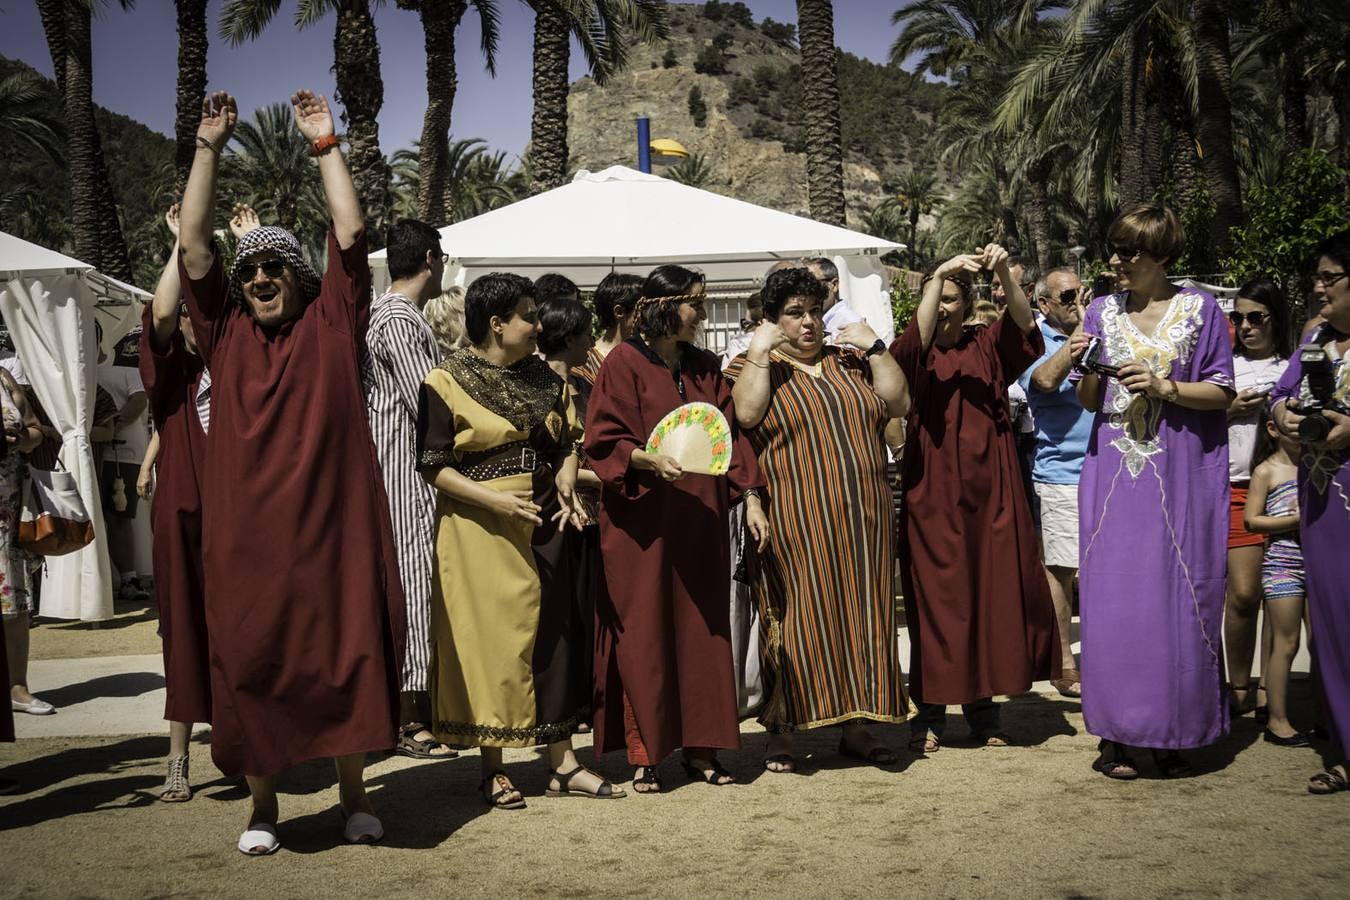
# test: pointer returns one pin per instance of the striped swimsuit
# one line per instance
(1282, 571)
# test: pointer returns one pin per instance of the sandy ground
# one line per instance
(1033, 820)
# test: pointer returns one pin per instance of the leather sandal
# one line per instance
(651, 783)
(606, 791)
(877, 755)
(1328, 782)
(786, 763)
(410, 746)
(715, 774)
(1118, 765)
(925, 743)
(1065, 684)
(498, 799)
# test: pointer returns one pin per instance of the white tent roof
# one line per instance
(622, 218)
(21, 258)
(118, 305)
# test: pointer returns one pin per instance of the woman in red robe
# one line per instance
(663, 673)
(977, 604)
(303, 602)
(172, 371)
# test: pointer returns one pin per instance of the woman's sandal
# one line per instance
(925, 743)
(1171, 764)
(410, 746)
(259, 840)
(715, 774)
(995, 739)
(498, 799)
(878, 755)
(1328, 782)
(176, 788)
(606, 791)
(786, 763)
(648, 782)
(1119, 766)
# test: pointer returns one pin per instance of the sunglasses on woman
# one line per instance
(272, 268)
(1254, 319)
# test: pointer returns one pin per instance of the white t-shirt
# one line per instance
(12, 365)
(1249, 375)
(121, 382)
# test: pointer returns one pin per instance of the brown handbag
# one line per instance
(54, 520)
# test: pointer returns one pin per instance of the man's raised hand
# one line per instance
(312, 115)
(219, 116)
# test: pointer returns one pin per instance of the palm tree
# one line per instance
(820, 87)
(95, 225)
(476, 180)
(887, 221)
(192, 46)
(694, 171)
(604, 29)
(440, 20)
(25, 118)
(976, 43)
(916, 195)
(360, 87)
(271, 169)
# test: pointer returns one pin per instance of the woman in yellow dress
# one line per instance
(496, 432)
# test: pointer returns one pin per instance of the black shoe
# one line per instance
(1297, 739)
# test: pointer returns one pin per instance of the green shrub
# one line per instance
(697, 107)
(670, 60)
(904, 302)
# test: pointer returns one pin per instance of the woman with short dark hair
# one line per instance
(1323, 488)
(496, 431)
(1153, 504)
(663, 651)
(825, 584)
(614, 300)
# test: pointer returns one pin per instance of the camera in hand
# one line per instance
(1091, 360)
(1319, 376)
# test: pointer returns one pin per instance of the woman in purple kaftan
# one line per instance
(1153, 503)
(1324, 501)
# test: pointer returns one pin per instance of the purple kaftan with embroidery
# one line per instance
(1324, 531)
(1153, 530)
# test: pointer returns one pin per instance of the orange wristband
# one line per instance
(322, 144)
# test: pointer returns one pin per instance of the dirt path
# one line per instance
(1027, 821)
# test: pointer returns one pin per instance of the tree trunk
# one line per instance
(1341, 100)
(1011, 236)
(95, 227)
(440, 18)
(1140, 126)
(548, 125)
(1038, 208)
(192, 47)
(914, 237)
(820, 87)
(1214, 126)
(361, 91)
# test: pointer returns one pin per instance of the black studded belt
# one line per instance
(509, 459)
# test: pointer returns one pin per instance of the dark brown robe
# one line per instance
(171, 374)
(304, 607)
(663, 631)
(977, 602)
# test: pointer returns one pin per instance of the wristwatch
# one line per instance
(878, 347)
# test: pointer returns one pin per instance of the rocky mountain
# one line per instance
(731, 92)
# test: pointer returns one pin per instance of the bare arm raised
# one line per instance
(198, 211)
(164, 307)
(315, 122)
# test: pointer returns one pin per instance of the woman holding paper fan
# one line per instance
(825, 584)
(663, 651)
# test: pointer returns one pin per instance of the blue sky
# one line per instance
(135, 62)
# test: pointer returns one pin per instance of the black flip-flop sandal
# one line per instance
(786, 760)
(649, 777)
(1327, 782)
(606, 790)
(712, 776)
(1119, 766)
(495, 800)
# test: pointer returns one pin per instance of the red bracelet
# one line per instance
(322, 144)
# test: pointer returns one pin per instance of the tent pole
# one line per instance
(644, 139)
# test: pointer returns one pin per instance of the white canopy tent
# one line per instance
(49, 303)
(622, 220)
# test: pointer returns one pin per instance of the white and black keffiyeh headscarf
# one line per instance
(285, 245)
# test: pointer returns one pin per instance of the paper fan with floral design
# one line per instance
(696, 436)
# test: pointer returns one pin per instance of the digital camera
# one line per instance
(1091, 360)
(1319, 376)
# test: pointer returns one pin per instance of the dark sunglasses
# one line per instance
(1328, 279)
(1068, 297)
(272, 268)
(1126, 254)
(1254, 319)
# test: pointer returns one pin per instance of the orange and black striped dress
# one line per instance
(825, 585)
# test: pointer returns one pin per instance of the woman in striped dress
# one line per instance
(824, 585)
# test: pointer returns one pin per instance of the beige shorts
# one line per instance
(1059, 523)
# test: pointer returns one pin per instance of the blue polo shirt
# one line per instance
(1062, 425)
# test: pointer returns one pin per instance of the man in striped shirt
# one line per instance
(400, 351)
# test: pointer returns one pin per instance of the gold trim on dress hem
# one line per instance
(781, 728)
(523, 737)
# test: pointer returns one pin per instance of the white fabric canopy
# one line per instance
(49, 302)
(627, 221)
